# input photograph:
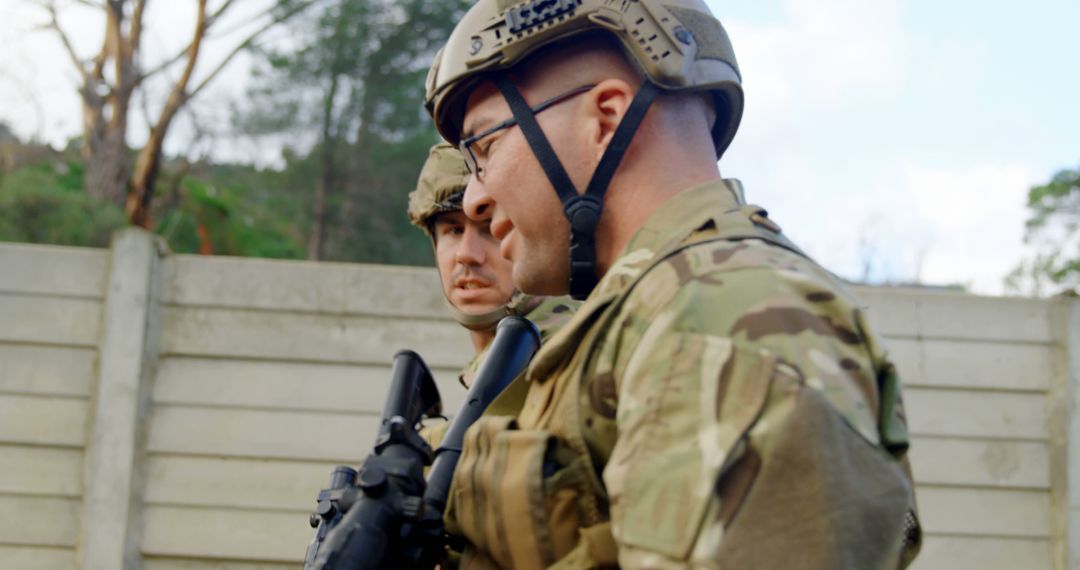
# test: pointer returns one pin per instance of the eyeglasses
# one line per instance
(465, 146)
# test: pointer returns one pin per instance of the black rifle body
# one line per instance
(387, 515)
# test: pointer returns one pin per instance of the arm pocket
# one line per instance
(516, 494)
(681, 424)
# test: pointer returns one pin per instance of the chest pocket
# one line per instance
(516, 495)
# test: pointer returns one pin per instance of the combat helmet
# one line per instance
(676, 45)
(439, 190)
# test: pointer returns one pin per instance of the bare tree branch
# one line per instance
(145, 107)
(54, 25)
(99, 61)
(248, 42)
(225, 62)
(212, 18)
(165, 64)
(135, 30)
(117, 49)
(193, 52)
(232, 30)
(178, 56)
(137, 205)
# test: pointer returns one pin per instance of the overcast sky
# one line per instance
(905, 133)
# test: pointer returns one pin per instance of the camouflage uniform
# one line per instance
(718, 402)
(549, 316)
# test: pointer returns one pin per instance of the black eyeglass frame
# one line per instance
(465, 146)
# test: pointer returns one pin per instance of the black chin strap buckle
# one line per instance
(583, 212)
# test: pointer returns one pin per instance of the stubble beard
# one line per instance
(544, 270)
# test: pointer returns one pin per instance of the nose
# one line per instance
(470, 249)
(477, 203)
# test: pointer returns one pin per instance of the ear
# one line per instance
(607, 104)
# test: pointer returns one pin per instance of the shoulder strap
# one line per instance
(743, 223)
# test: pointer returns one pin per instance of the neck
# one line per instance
(628, 206)
(672, 152)
(481, 339)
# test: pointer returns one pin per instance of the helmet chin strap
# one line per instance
(479, 323)
(582, 210)
(520, 304)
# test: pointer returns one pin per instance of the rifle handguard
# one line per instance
(516, 341)
(386, 516)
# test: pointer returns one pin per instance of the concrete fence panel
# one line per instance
(176, 412)
(50, 323)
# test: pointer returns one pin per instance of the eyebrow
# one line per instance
(450, 215)
(485, 120)
(478, 125)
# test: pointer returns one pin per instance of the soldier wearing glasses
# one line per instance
(719, 400)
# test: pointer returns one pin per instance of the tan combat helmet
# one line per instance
(439, 190)
(677, 45)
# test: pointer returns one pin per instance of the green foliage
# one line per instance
(45, 203)
(6, 134)
(346, 91)
(1053, 230)
(229, 210)
(241, 210)
(349, 90)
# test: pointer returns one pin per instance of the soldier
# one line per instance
(476, 279)
(719, 400)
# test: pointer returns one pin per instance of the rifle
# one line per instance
(386, 515)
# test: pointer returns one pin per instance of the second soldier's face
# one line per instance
(515, 196)
(475, 277)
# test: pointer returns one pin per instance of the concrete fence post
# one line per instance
(1063, 406)
(111, 516)
(1071, 312)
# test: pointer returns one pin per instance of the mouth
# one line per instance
(472, 284)
(505, 248)
(499, 228)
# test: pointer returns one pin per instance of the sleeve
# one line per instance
(734, 454)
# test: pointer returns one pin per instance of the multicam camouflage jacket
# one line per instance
(549, 315)
(719, 401)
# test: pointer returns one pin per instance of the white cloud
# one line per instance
(822, 82)
(823, 55)
(977, 218)
(911, 222)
